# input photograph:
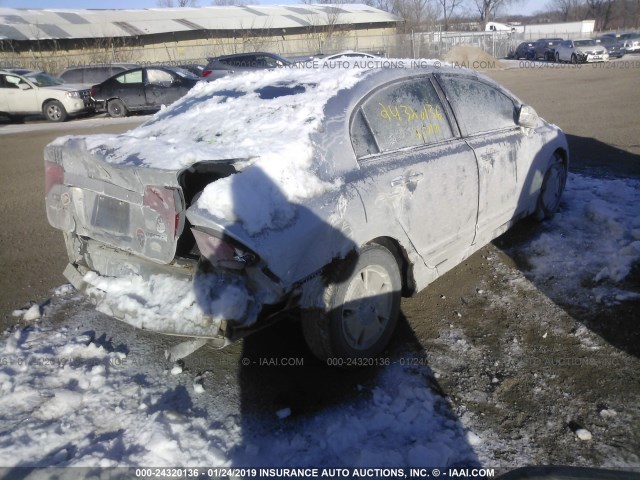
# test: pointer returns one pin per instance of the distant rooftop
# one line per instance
(45, 24)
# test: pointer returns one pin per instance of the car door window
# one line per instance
(159, 78)
(130, 77)
(401, 115)
(11, 81)
(479, 107)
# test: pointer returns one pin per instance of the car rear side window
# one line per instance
(159, 77)
(405, 114)
(72, 76)
(130, 77)
(479, 107)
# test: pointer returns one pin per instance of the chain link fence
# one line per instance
(413, 45)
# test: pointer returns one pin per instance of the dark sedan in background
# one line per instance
(242, 62)
(545, 49)
(525, 50)
(612, 44)
(142, 89)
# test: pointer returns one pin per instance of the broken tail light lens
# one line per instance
(53, 175)
(162, 200)
(222, 252)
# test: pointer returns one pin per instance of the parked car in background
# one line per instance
(196, 69)
(40, 93)
(348, 54)
(323, 192)
(218, 67)
(93, 74)
(138, 89)
(525, 50)
(544, 49)
(581, 51)
(614, 47)
(631, 43)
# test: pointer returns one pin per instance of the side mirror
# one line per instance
(527, 117)
(24, 86)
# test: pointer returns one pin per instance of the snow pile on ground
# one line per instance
(470, 56)
(72, 397)
(589, 248)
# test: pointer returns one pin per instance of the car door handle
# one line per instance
(406, 179)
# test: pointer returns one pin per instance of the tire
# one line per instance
(360, 312)
(116, 108)
(54, 111)
(555, 179)
(557, 57)
(574, 59)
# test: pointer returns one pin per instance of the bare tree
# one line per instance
(488, 9)
(565, 9)
(233, 3)
(448, 8)
(177, 3)
(602, 10)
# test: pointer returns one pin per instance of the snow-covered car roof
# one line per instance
(255, 114)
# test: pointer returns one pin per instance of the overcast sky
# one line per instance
(522, 6)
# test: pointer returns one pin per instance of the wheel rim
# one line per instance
(54, 112)
(367, 308)
(115, 109)
(553, 187)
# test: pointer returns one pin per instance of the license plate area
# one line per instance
(111, 214)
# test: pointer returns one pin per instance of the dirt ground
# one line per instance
(523, 372)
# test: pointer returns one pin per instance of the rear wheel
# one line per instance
(574, 58)
(360, 312)
(557, 57)
(116, 108)
(553, 185)
(54, 111)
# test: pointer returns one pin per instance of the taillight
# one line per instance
(53, 175)
(93, 91)
(206, 73)
(162, 200)
(221, 252)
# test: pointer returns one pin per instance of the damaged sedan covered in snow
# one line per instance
(331, 193)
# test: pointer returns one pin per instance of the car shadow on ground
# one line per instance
(593, 157)
(296, 410)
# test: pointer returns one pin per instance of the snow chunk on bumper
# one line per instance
(175, 306)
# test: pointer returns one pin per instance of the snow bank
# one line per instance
(70, 398)
(589, 248)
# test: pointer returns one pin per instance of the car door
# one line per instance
(415, 169)
(129, 88)
(487, 120)
(161, 87)
(21, 96)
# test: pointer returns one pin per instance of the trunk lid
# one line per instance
(139, 210)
